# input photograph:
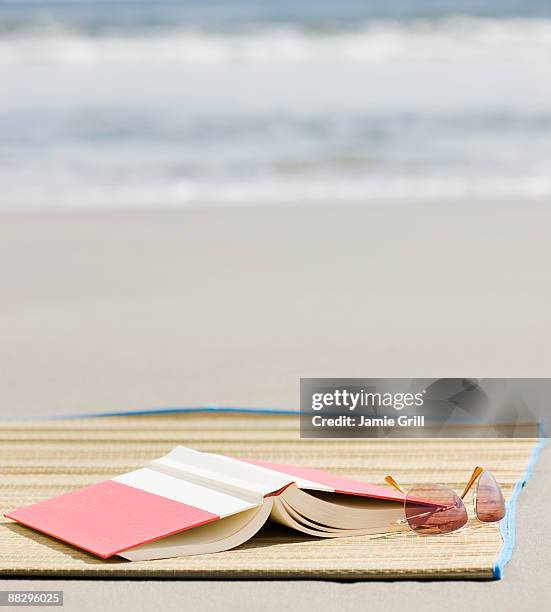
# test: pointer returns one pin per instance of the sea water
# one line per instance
(273, 103)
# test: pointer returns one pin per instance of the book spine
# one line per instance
(207, 478)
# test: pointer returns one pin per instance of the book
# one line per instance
(190, 502)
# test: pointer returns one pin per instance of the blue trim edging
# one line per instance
(507, 525)
(177, 410)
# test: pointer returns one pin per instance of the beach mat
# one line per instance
(42, 459)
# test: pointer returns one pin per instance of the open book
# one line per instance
(190, 503)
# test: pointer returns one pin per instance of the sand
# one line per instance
(117, 310)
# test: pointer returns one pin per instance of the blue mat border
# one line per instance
(178, 409)
(506, 526)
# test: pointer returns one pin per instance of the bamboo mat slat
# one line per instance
(42, 459)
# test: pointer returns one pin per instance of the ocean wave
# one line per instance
(269, 193)
(447, 39)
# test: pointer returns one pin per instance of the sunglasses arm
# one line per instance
(476, 473)
(393, 483)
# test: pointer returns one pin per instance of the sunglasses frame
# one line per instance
(477, 472)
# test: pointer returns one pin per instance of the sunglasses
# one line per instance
(432, 509)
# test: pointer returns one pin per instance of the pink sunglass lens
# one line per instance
(490, 505)
(434, 509)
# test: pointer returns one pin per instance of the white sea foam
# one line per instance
(446, 39)
(204, 194)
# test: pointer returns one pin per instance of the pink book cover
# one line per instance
(340, 484)
(109, 517)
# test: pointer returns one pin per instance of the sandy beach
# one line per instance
(117, 311)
